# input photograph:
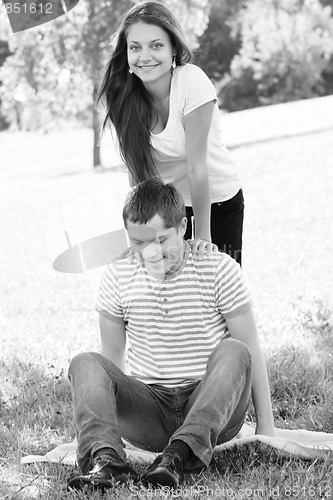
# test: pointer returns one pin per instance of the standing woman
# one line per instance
(165, 114)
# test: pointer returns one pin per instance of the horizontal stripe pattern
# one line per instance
(173, 325)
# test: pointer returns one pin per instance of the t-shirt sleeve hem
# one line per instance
(239, 310)
(108, 315)
(197, 105)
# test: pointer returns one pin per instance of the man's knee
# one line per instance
(80, 362)
(234, 350)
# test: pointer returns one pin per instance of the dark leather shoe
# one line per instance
(103, 475)
(166, 470)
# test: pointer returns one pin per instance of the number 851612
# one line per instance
(28, 8)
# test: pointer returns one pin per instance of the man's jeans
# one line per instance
(109, 405)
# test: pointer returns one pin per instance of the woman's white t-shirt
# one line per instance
(191, 88)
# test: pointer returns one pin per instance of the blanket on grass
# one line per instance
(301, 443)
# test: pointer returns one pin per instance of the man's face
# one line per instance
(161, 249)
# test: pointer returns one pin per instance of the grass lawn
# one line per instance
(47, 186)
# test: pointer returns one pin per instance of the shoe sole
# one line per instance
(78, 483)
(161, 477)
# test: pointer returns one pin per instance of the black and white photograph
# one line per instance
(166, 256)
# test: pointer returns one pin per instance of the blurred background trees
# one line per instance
(285, 54)
(257, 52)
(219, 43)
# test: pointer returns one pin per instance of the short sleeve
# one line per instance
(198, 88)
(231, 292)
(108, 299)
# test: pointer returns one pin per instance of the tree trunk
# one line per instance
(96, 129)
(95, 69)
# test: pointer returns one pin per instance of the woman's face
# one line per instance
(149, 52)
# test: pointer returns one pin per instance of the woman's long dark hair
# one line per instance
(128, 104)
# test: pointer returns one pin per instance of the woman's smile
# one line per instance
(147, 66)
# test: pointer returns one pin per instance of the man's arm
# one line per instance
(113, 338)
(243, 328)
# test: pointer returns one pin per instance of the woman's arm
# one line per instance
(197, 126)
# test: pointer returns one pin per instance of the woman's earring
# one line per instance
(174, 62)
(130, 71)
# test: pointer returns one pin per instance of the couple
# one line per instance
(180, 355)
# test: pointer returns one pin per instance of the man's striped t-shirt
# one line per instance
(173, 325)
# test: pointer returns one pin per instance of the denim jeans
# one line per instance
(109, 406)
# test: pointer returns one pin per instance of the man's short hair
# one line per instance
(152, 197)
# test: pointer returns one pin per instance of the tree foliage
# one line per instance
(326, 3)
(286, 48)
(44, 80)
(219, 43)
(4, 25)
(4, 53)
(193, 16)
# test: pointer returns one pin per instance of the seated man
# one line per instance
(193, 355)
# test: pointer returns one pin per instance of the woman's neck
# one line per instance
(160, 90)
